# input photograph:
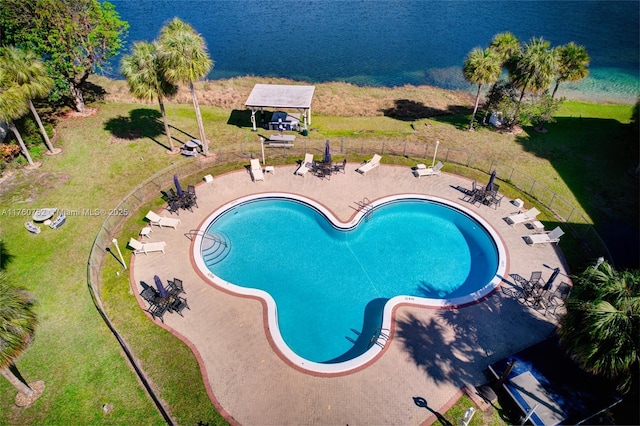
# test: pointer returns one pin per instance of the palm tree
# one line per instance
(481, 67)
(601, 329)
(17, 326)
(146, 81)
(505, 46)
(13, 106)
(26, 71)
(533, 69)
(184, 59)
(573, 63)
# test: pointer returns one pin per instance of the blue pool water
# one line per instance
(330, 285)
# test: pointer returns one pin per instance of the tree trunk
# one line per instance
(25, 151)
(475, 108)
(42, 129)
(203, 139)
(78, 98)
(555, 89)
(515, 115)
(12, 374)
(166, 124)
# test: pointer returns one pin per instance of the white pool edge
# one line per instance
(377, 346)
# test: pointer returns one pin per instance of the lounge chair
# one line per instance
(156, 219)
(32, 227)
(306, 165)
(256, 170)
(370, 165)
(550, 237)
(523, 217)
(139, 247)
(422, 170)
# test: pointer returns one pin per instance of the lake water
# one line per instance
(393, 43)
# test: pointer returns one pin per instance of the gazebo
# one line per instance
(281, 97)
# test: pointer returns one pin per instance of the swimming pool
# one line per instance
(330, 286)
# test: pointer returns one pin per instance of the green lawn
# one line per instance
(105, 156)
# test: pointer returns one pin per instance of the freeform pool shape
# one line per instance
(330, 287)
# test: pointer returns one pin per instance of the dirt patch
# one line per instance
(89, 112)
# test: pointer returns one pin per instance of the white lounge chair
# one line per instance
(156, 219)
(523, 217)
(422, 170)
(139, 247)
(306, 165)
(550, 237)
(256, 170)
(370, 165)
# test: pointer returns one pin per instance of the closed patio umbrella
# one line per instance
(178, 187)
(163, 291)
(327, 153)
(551, 279)
(491, 179)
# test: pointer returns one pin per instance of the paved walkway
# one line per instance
(433, 353)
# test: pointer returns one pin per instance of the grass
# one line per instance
(107, 155)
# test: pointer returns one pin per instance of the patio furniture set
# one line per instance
(540, 295)
(163, 298)
(322, 169)
(44, 216)
(483, 196)
(177, 200)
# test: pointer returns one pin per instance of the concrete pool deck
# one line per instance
(432, 353)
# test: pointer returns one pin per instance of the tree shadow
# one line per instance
(93, 92)
(141, 123)
(408, 110)
(241, 118)
(596, 159)
(457, 345)
(5, 256)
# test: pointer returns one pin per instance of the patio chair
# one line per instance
(149, 294)
(523, 216)
(178, 304)
(158, 310)
(175, 287)
(305, 165)
(558, 297)
(139, 247)
(256, 170)
(191, 195)
(340, 166)
(422, 170)
(32, 227)
(550, 237)
(156, 219)
(369, 165)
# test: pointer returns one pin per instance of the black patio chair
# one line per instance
(558, 297)
(178, 304)
(340, 166)
(191, 193)
(158, 310)
(149, 294)
(173, 288)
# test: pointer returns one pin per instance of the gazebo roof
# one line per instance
(280, 96)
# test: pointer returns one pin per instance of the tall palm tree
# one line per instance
(481, 67)
(533, 69)
(601, 329)
(25, 70)
(573, 63)
(12, 107)
(184, 59)
(17, 326)
(146, 81)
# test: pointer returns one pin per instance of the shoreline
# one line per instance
(334, 98)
